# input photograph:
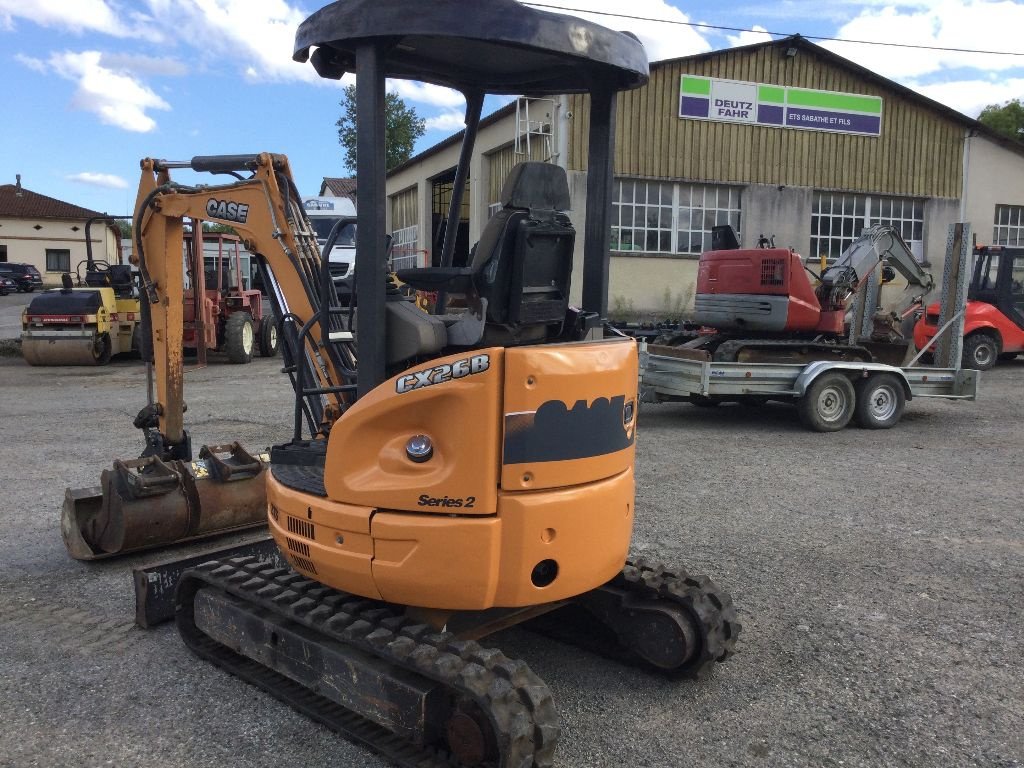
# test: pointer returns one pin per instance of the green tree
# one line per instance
(1007, 119)
(402, 127)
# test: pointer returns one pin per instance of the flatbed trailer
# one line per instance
(828, 394)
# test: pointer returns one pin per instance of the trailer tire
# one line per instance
(880, 401)
(239, 337)
(268, 335)
(981, 350)
(828, 404)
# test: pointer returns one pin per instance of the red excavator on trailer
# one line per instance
(760, 304)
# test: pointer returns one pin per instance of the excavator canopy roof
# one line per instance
(497, 46)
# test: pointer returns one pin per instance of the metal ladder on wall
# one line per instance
(530, 129)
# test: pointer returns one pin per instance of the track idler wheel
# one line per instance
(678, 624)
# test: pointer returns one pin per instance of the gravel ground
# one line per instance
(879, 576)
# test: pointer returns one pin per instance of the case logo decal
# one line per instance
(222, 209)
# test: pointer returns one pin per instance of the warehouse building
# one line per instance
(782, 138)
(49, 233)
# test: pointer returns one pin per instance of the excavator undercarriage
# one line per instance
(426, 696)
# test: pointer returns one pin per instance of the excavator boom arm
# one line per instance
(267, 213)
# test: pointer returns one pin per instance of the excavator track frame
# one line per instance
(516, 703)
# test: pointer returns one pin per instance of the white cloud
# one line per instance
(108, 180)
(972, 96)
(77, 16)
(749, 37)
(425, 93)
(37, 65)
(447, 121)
(661, 41)
(984, 24)
(256, 37)
(145, 65)
(116, 97)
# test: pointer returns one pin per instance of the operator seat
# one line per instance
(516, 287)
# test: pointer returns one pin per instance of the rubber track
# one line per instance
(517, 702)
(711, 607)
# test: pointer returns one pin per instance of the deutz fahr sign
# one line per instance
(734, 101)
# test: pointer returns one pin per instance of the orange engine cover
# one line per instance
(527, 498)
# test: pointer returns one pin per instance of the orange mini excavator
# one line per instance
(450, 474)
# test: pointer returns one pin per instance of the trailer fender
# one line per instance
(854, 370)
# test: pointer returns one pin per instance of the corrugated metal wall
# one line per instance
(919, 152)
(501, 163)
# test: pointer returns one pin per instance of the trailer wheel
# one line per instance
(268, 335)
(239, 337)
(981, 350)
(827, 405)
(880, 401)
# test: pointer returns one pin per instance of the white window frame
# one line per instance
(404, 251)
(848, 214)
(668, 218)
(1008, 225)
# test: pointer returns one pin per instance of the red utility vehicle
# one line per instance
(994, 318)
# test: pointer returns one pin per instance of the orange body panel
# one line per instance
(366, 460)
(564, 408)
(324, 539)
(462, 531)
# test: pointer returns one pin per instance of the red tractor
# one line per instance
(221, 313)
(994, 319)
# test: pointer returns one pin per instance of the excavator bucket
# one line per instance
(145, 503)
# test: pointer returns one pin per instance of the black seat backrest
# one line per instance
(523, 262)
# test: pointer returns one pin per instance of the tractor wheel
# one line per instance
(880, 401)
(981, 350)
(268, 335)
(239, 337)
(828, 404)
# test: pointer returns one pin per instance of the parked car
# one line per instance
(7, 285)
(26, 276)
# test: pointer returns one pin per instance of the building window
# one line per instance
(405, 229)
(58, 260)
(3, 254)
(405, 251)
(837, 220)
(1009, 225)
(671, 218)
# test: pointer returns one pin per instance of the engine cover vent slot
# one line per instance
(303, 564)
(298, 547)
(301, 527)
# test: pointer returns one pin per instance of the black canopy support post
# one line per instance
(371, 271)
(600, 176)
(474, 107)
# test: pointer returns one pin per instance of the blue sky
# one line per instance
(96, 85)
